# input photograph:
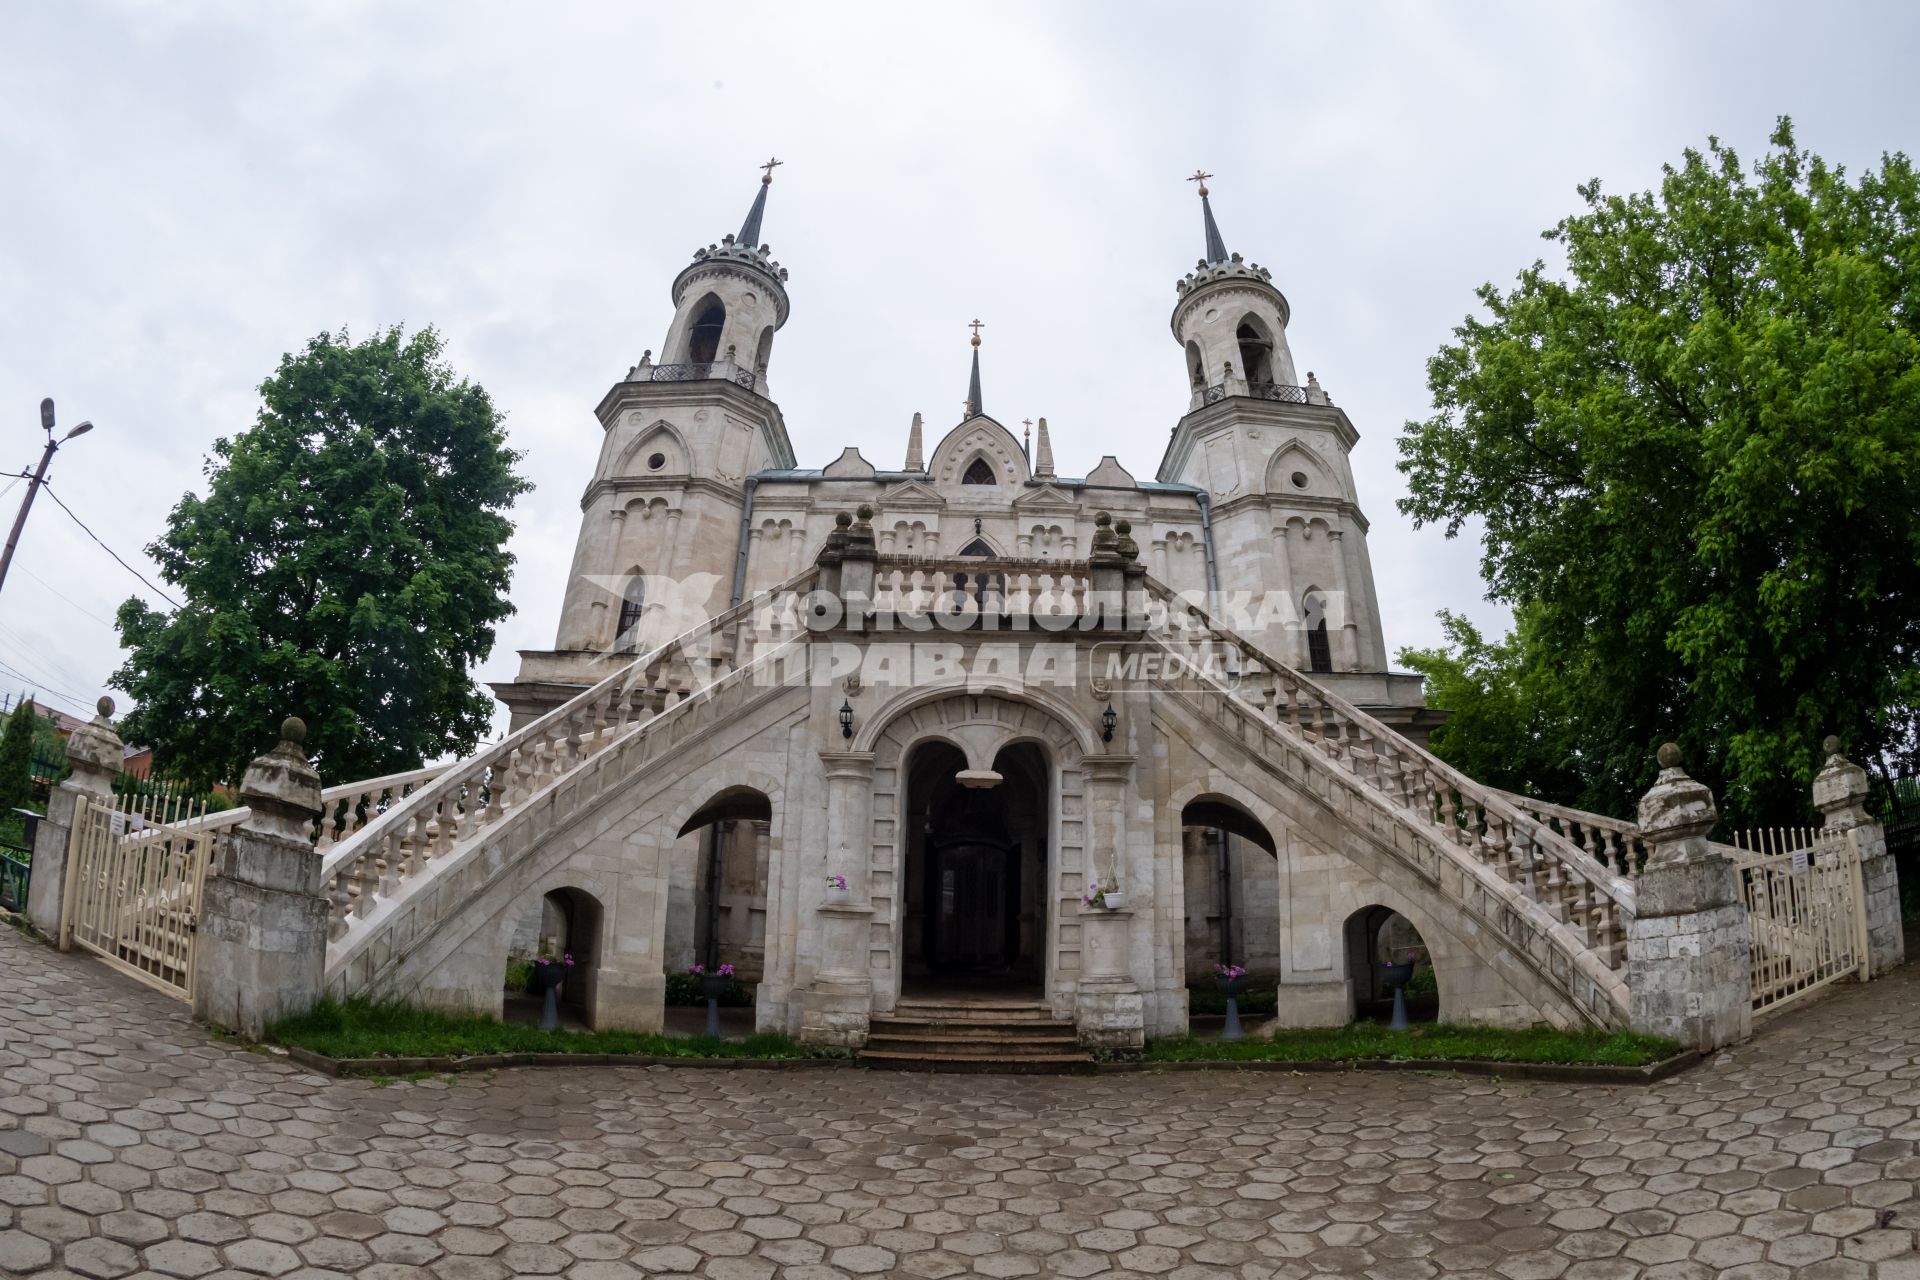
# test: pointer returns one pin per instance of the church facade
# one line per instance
(994, 799)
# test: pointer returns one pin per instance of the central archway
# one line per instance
(974, 916)
(1037, 745)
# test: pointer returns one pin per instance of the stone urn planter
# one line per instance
(1230, 980)
(544, 981)
(1394, 976)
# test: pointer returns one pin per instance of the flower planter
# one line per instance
(1394, 977)
(1113, 900)
(544, 981)
(713, 986)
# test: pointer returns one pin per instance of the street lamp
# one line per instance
(39, 478)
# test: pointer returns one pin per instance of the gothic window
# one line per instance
(978, 547)
(1196, 369)
(626, 637)
(1256, 351)
(765, 352)
(978, 472)
(703, 337)
(1313, 612)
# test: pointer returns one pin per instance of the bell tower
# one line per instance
(660, 520)
(1271, 454)
(1231, 321)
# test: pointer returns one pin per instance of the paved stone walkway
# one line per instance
(130, 1143)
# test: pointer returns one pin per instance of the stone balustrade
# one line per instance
(379, 855)
(1576, 890)
(1614, 843)
(1019, 592)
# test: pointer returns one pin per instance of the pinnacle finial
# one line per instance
(973, 382)
(766, 170)
(1200, 176)
(976, 326)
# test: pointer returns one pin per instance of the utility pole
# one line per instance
(39, 478)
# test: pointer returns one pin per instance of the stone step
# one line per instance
(972, 1011)
(1036, 1064)
(975, 1046)
(1035, 1030)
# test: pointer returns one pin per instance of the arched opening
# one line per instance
(1231, 878)
(978, 547)
(1256, 350)
(979, 472)
(1313, 615)
(633, 606)
(1196, 367)
(703, 335)
(1377, 936)
(975, 916)
(717, 897)
(763, 352)
(562, 924)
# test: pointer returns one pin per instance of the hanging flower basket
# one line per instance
(1102, 897)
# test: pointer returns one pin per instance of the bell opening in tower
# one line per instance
(703, 336)
(1256, 351)
(975, 917)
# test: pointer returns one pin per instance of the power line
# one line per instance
(56, 591)
(48, 486)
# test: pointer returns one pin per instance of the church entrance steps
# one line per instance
(960, 1035)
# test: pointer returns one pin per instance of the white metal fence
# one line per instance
(134, 874)
(1806, 909)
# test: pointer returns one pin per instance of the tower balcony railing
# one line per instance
(1280, 391)
(703, 371)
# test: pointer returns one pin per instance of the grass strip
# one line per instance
(1432, 1042)
(358, 1028)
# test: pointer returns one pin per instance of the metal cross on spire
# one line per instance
(766, 170)
(1200, 176)
(976, 326)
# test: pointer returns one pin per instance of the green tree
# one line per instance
(16, 757)
(1695, 454)
(1509, 725)
(347, 565)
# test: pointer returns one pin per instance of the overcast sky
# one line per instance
(192, 189)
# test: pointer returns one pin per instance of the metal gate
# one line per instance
(133, 885)
(1806, 911)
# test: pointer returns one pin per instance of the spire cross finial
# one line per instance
(1200, 176)
(766, 170)
(976, 326)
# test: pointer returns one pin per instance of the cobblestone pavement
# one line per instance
(130, 1143)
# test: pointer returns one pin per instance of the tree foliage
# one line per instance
(16, 757)
(1696, 458)
(347, 565)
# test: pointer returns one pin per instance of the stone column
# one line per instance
(262, 949)
(1688, 942)
(95, 752)
(1289, 644)
(1840, 794)
(1109, 1011)
(1349, 625)
(838, 1007)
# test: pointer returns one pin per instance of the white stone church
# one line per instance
(965, 763)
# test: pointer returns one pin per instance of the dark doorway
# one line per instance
(976, 871)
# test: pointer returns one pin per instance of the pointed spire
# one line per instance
(1216, 247)
(1043, 455)
(973, 383)
(914, 462)
(750, 229)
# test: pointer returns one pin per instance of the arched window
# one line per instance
(1256, 351)
(978, 547)
(1313, 612)
(703, 337)
(1196, 367)
(979, 472)
(765, 351)
(633, 603)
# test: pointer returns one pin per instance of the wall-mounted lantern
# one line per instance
(846, 719)
(1108, 721)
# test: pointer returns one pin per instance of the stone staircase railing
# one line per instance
(1575, 897)
(1615, 843)
(380, 864)
(344, 808)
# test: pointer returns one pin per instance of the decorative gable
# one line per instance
(978, 439)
